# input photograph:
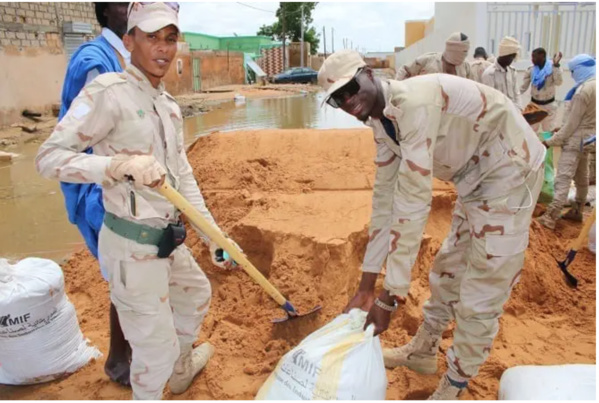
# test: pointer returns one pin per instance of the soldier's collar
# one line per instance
(143, 81)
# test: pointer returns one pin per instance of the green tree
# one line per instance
(290, 16)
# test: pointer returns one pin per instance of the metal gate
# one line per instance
(568, 27)
(197, 81)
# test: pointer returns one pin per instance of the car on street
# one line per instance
(297, 75)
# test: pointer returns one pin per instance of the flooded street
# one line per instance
(292, 112)
(33, 219)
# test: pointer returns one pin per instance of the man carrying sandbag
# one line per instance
(453, 129)
(136, 131)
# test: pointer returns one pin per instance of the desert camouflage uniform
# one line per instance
(504, 81)
(430, 63)
(477, 68)
(161, 302)
(574, 160)
(471, 134)
(544, 94)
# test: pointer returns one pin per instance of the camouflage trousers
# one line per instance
(474, 272)
(572, 165)
(161, 305)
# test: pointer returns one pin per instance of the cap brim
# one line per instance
(157, 24)
(336, 85)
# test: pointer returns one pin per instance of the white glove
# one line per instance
(216, 254)
(144, 170)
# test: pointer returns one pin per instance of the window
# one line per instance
(179, 66)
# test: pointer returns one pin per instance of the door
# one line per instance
(197, 81)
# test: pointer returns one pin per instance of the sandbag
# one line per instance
(40, 339)
(340, 361)
(546, 196)
(553, 382)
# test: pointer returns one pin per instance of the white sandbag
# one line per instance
(339, 361)
(591, 195)
(554, 382)
(593, 239)
(40, 339)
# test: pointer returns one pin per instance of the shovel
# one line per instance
(196, 217)
(563, 265)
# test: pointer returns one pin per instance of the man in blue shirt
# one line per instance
(84, 206)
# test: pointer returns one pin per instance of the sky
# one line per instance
(371, 26)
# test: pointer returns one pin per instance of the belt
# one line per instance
(140, 233)
(538, 102)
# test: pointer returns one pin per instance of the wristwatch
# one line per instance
(382, 305)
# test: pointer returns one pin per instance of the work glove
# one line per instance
(143, 170)
(217, 254)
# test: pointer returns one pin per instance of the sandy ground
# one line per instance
(298, 202)
(191, 104)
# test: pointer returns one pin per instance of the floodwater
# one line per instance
(293, 112)
(33, 221)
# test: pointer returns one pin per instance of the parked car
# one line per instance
(296, 75)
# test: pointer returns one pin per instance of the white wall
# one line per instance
(469, 18)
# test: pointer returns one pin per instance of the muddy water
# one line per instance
(295, 112)
(33, 220)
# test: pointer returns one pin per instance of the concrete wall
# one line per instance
(414, 31)
(246, 44)
(201, 41)
(271, 60)
(178, 79)
(472, 21)
(316, 62)
(219, 68)
(295, 54)
(32, 58)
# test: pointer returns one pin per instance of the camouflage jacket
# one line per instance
(579, 119)
(122, 113)
(450, 128)
(430, 63)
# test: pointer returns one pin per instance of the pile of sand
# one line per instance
(298, 202)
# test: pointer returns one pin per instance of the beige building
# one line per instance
(36, 40)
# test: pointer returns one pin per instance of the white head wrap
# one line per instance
(508, 46)
(456, 49)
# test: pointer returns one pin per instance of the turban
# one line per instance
(456, 49)
(508, 46)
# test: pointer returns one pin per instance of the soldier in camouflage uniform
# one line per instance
(574, 160)
(479, 65)
(451, 61)
(543, 77)
(136, 131)
(501, 75)
(453, 129)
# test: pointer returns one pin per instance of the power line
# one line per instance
(256, 8)
(269, 11)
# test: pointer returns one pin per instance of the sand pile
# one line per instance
(298, 202)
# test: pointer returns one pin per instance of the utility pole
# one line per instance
(333, 40)
(302, 40)
(284, 28)
(324, 40)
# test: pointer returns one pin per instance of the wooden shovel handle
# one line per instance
(584, 231)
(208, 229)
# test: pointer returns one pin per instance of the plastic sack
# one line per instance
(40, 339)
(546, 196)
(339, 361)
(554, 382)
(592, 193)
(593, 239)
